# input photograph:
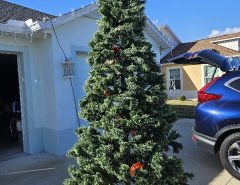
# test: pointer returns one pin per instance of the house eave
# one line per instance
(153, 30)
(69, 17)
(165, 64)
(41, 26)
(223, 40)
(5, 28)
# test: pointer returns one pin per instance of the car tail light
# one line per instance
(204, 96)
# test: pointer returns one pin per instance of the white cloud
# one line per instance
(226, 31)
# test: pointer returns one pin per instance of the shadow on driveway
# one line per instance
(39, 169)
(206, 167)
(45, 169)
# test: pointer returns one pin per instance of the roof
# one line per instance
(167, 31)
(17, 12)
(201, 45)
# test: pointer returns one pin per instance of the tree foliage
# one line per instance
(130, 134)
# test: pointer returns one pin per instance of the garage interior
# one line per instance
(10, 114)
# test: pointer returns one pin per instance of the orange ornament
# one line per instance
(134, 167)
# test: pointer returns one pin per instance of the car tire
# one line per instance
(227, 150)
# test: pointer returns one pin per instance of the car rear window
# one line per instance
(235, 84)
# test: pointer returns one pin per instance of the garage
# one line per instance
(10, 108)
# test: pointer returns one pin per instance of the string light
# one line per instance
(31, 37)
(73, 11)
(45, 35)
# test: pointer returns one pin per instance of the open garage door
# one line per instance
(10, 107)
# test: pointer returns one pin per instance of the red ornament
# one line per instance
(133, 133)
(134, 167)
(106, 93)
(116, 49)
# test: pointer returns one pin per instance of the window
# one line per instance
(208, 73)
(175, 79)
(235, 84)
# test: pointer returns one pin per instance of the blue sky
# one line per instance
(189, 19)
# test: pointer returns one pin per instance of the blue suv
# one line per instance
(217, 119)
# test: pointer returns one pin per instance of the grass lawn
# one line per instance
(184, 109)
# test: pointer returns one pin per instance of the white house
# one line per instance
(47, 103)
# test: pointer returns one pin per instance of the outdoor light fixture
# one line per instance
(68, 68)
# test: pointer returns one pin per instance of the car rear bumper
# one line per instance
(206, 142)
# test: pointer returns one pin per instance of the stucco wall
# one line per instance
(192, 77)
(36, 84)
(74, 37)
(49, 107)
(192, 80)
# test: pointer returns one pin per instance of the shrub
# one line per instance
(182, 98)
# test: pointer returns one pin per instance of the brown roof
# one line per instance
(201, 45)
(13, 11)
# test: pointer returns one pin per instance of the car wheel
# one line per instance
(230, 154)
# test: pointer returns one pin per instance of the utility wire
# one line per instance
(71, 83)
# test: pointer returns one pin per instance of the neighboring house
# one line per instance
(47, 101)
(186, 80)
(168, 32)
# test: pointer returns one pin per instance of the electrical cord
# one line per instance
(55, 33)
(73, 93)
(74, 96)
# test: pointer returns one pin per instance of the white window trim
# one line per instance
(203, 74)
(168, 78)
(227, 84)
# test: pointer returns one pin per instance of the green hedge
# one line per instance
(184, 109)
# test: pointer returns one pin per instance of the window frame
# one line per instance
(180, 78)
(220, 73)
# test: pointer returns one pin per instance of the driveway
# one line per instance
(40, 169)
(206, 167)
(45, 169)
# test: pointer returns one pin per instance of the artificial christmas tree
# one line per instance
(130, 135)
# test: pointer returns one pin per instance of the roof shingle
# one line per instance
(13, 11)
(201, 45)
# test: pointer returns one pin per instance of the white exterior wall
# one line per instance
(74, 37)
(231, 44)
(37, 95)
(49, 114)
(155, 46)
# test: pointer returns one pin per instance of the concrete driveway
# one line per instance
(45, 169)
(206, 167)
